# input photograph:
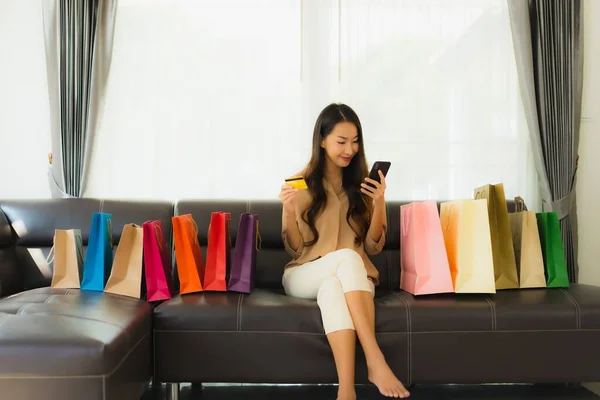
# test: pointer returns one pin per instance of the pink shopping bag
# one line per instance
(158, 272)
(423, 259)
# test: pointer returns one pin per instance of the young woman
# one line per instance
(330, 229)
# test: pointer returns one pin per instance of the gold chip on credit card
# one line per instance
(297, 182)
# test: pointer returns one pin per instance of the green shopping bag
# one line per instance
(553, 251)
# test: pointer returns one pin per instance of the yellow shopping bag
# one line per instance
(466, 229)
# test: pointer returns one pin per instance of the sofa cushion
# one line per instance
(520, 334)
(263, 310)
(577, 307)
(59, 332)
(399, 311)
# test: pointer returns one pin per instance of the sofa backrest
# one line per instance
(27, 232)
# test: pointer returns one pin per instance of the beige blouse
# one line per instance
(334, 232)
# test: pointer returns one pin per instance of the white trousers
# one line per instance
(326, 280)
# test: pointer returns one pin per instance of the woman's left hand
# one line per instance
(377, 193)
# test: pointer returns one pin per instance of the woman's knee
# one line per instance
(330, 291)
(351, 271)
(334, 309)
(351, 263)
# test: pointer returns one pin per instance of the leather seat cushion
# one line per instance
(62, 332)
(273, 311)
(262, 310)
(506, 310)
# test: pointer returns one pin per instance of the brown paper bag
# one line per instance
(505, 267)
(527, 246)
(68, 259)
(126, 274)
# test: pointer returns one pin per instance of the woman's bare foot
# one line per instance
(382, 376)
(346, 393)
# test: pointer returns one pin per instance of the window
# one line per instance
(24, 106)
(217, 98)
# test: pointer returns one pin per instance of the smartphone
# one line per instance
(383, 166)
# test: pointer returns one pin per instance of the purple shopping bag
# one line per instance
(247, 244)
(159, 283)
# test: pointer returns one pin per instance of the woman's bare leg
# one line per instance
(343, 345)
(362, 310)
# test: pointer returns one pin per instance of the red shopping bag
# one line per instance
(157, 263)
(217, 269)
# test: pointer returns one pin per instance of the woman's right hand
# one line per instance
(288, 196)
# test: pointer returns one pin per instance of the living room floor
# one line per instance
(424, 392)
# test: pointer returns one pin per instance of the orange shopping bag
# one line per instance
(190, 265)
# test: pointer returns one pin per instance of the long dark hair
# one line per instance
(353, 175)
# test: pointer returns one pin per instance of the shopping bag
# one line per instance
(126, 273)
(423, 258)
(218, 263)
(157, 263)
(466, 229)
(555, 262)
(67, 256)
(188, 255)
(99, 255)
(505, 267)
(527, 247)
(247, 244)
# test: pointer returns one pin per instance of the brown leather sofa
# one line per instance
(99, 343)
(61, 343)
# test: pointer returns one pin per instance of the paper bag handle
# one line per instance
(258, 238)
(110, 235)
(50, 258)
(158, 234)
(520, 204)
(79, 249)
(195, 226)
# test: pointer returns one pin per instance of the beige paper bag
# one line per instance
(126, 274)
(68, 259)
(468, 243)
(505, 267)
(527, 247)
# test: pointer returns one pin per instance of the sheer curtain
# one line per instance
(217, 99)
(24, 110)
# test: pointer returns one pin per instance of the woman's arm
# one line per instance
(292, 238)
(377, 229)
(378, 221)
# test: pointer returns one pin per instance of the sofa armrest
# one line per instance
(11, 281)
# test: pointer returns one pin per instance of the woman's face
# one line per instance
(341, 144)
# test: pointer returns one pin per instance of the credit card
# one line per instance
(297, 182)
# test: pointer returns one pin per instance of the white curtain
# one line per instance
(24, 110)
(217, 98)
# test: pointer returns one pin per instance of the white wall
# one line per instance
(588, 184)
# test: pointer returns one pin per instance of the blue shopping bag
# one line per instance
(99, 255)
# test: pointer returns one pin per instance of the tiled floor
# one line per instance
(441, 392)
